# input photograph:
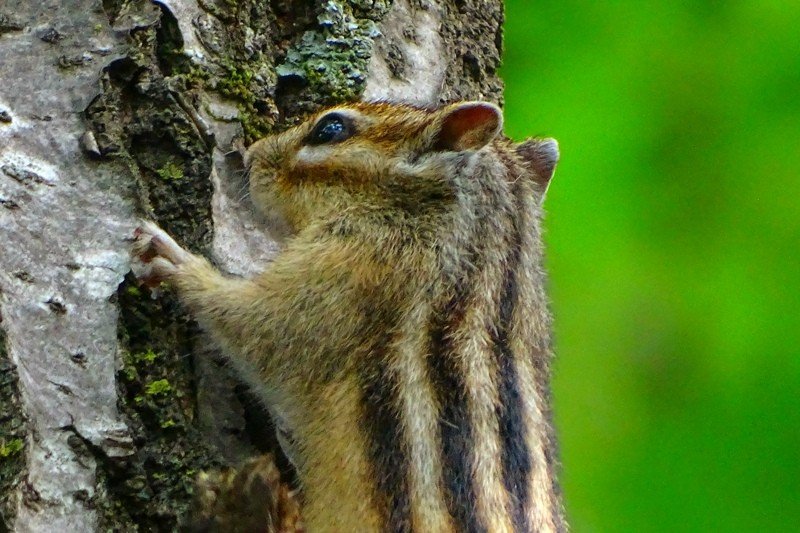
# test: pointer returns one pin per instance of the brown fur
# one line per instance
(403, 332)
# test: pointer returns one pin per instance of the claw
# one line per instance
(156, 255)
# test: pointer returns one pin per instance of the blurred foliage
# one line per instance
(673, 246)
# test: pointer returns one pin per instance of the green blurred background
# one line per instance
(673, 230)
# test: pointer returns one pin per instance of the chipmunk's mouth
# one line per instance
(277, 224)
(269, 209)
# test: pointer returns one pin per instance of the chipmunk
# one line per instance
(402, 334)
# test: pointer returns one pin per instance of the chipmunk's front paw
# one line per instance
(159, 256)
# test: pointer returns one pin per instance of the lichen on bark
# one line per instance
(330, 62)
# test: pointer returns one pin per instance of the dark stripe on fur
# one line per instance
(515, 455)
(381, 419)
(456, 431)
(541, 354)
(454, 419)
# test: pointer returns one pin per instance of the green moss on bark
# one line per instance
(152, 489)
(281, 60)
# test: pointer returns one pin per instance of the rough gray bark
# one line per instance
(111, 110)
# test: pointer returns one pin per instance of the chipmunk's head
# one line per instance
(375, 155)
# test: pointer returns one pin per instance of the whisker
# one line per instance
(243, 192)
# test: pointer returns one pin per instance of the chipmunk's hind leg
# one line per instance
(249, 499)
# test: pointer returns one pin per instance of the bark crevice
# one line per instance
(12, 439)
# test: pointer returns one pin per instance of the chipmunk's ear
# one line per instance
(540, 156)
(466, 126)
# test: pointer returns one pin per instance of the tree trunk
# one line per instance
(110, 401)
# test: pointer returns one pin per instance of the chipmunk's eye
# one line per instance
(331, 128)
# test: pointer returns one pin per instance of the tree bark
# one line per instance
(112, 110)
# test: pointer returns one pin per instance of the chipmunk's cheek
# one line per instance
(309, 156)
